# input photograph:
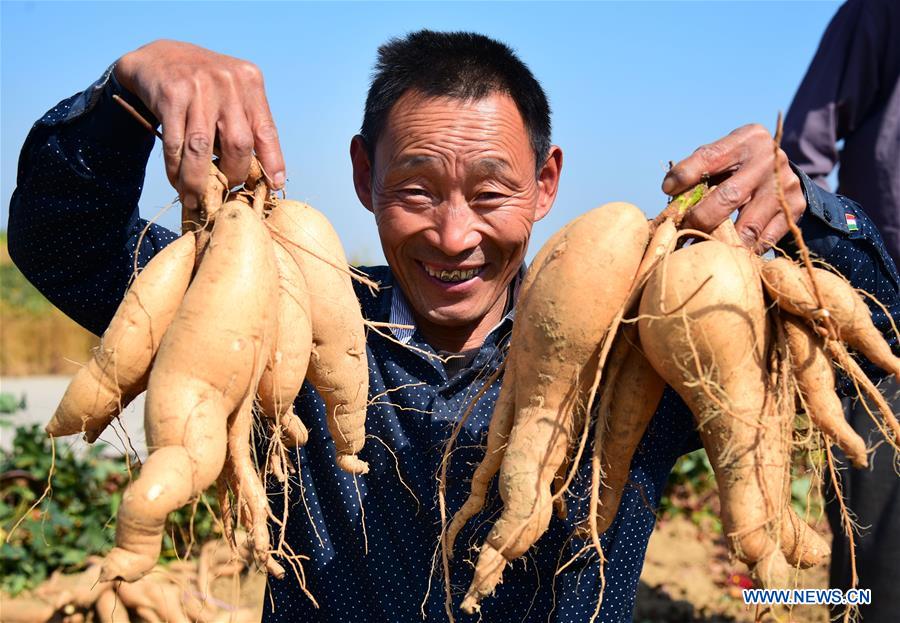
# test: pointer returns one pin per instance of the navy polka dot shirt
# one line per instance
(74, 230)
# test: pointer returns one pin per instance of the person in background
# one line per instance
(851, 93)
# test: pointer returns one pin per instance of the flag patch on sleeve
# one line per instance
(851, 221)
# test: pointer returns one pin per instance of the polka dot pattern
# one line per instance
(74, 230)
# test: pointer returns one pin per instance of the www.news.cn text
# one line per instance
(801, 596)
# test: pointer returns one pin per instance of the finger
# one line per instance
(734, 193)
(265, 137)
(173, 120)
(235, 147)
(717, 157)
(772, 233)
(197, 153)
(764, 217)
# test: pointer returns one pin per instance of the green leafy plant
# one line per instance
(691, 491)
(76, 518)
(9, 404)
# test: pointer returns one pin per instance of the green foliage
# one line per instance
(68, 525)
(691, 491)
(806, 495)
(76, 519)
(9, 404)
(16, 291)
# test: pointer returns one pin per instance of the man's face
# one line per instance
(454, 193)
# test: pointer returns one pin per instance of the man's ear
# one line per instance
(362, 171)
(548, 182)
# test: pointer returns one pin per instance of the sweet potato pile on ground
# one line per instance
(178, 593)
(220, 327)
(747, 343)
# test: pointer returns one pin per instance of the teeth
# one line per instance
(450, 276)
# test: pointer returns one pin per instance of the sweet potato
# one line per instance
(119, 368)
(790, 286)
(815, 380)
(288, 363)
(76, 589)
(24, 609)
(209, 362)
(631, 390)
(555, 346)
(157, 599)
(628, 404)
(703, 328)
(110, 608)
(249, 491)
(338, 366)
(503, 415)
(497, 437)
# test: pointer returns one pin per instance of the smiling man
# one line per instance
(454, 160)
(453, 181)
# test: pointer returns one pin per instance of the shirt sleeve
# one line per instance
(836, 93)
(75, 231)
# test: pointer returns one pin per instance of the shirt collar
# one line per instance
(401, 313)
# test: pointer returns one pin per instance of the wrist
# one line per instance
(122, 73)
(115, 86)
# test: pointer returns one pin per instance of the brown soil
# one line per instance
(689, 577)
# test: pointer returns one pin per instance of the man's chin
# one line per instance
(452, 313)
(455, 309)
(452, 316)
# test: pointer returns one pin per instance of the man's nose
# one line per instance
(456, 228)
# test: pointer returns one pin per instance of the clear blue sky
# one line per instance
(632, 85)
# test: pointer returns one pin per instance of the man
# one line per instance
(851, 92)
(455, 162)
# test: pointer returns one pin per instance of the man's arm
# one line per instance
(837, 92)
(74, 226)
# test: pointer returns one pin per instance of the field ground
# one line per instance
(688, 578)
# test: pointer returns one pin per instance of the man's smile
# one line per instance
(457, 279)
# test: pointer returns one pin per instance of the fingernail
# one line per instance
(668, 184)
(763, 246)
(278, 179)
(748, 238)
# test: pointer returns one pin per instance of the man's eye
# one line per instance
(488, 196)
(415, 192)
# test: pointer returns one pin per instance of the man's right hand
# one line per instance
(201, 97)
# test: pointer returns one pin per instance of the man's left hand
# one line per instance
(742, 165)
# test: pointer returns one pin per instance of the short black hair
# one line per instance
(462, 65)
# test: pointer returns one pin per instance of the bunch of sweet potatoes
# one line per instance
(744, 341)
(223, 324)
